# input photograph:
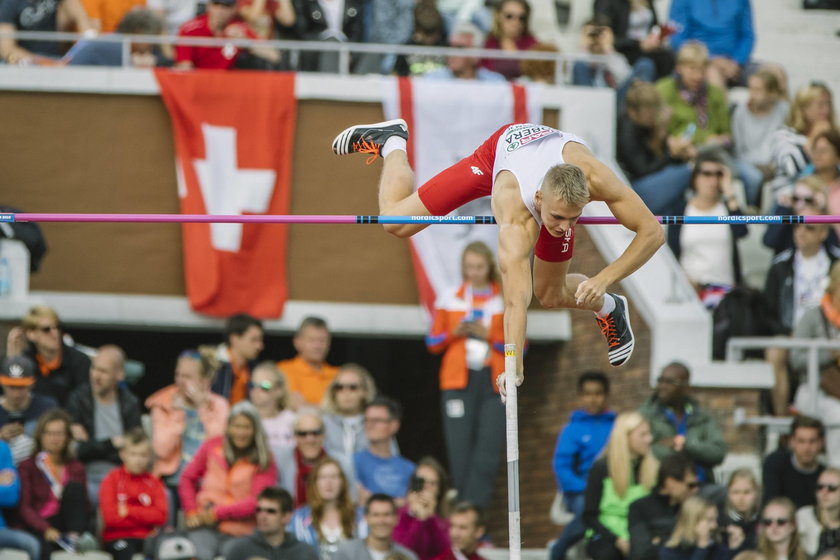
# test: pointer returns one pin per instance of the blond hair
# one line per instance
(804, 97)
(747, 474)
(619, 457)
(328, 403)
(567, 183)
(278, 378)
(691, 513)
(693, 52)
(794, 551)
(30, 320)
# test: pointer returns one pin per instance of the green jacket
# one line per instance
(684, 114)
(605, 513)
(704, 442)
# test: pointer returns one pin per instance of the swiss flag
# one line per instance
(234, 135)
(447, 121)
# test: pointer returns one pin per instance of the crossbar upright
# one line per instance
(512, 431)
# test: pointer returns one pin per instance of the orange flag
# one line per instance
(234, 134)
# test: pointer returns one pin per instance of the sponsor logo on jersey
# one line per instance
(520, 135)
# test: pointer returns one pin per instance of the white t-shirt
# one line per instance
(810, 281)
(175, 12)
(529, 151)
(706, 250)
(279, 430)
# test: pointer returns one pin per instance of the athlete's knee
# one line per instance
(552, 297)
(399, 230)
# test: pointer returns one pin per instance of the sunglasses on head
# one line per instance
(829, 487)
(767, 522)
(346, 386)
(191, 354)
(304, 433)
(519, 17)
(264, 385)
(710, 173)
(272, 511)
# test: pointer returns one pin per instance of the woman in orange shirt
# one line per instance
(468, 330)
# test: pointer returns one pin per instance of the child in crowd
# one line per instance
(740, 513)
(132, 500)
(694, 536)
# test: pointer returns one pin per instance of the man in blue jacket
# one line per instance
(579, 444)
(9, 497)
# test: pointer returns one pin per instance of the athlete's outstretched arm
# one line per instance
(625, 205)
(517, 235)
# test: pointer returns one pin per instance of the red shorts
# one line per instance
(470, 178)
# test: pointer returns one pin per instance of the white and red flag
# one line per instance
(234, 134)
(447, 121)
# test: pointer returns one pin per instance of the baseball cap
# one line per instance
(176, 548)
(17, 371)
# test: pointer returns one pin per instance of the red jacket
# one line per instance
(35, 492)
(144, 497)
(449, 312)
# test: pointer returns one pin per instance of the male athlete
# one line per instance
(539, 179)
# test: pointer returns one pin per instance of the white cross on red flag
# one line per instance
(234, 135)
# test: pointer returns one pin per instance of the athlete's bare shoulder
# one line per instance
(508, 207)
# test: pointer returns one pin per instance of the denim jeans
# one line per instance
(572, 532)
(664, 191)
(20, 540)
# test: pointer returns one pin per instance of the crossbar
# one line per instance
(373, 219)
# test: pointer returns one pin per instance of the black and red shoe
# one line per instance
(368, 138)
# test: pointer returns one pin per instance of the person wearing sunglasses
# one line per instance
(296, 463)
(268, 393)
(709, 254)
(219, 487)
(779, 538)
(819, 524)
(61, 368)
(696, 534)
(271, 538)
(652, 518)
(509, 32)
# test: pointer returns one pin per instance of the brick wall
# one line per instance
(548, 396)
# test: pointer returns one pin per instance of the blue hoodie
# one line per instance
(578, 445)
(9, 493)
(724, 26)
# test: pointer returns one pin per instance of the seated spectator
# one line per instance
(321, 20)
(579, 443)
(219, 487)
(9, 498)
(819, 524)
(381, 518)
(38, 15)
(20, 408)
(271, 539)
(133, 501)
(102, 411)
(429, 31)
(727, 32)
(465, 36)
(468, 329)
(808, 198)
(221, 20)
(811, 113)
(540, 71)
(455, 12)
(795, 283)
(422, 521)
(270, 395)
(61, 368)
(53, 490)
(379, 469)
(105, 16)
(264, 16)
(825, 157)
(296, 463)
(779, 536)
(387, 22)
(695, 534)
(679, 424)
(237, 356)
(344, 417)
(138, 21)
(638, 35)
(308, 373)
(652, 519)
(740, 512)
(184, 415)
(466, 529)
(597, 39)
(823, 322)
(755, 119)
(509, 32)
(655, 163)
(329, 516)
(792, 473)
(624, 474)
(709, 254)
